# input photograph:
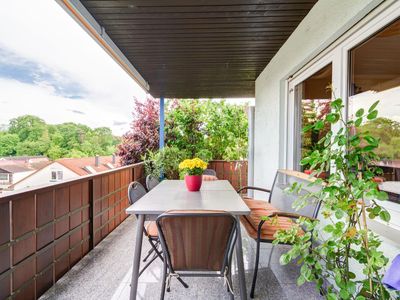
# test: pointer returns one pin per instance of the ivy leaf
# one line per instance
(372, 115)
(360, 112)
(373, 106)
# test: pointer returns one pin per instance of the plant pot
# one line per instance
(193, 182)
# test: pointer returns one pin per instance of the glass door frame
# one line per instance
(293, 124)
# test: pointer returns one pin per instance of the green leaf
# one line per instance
(384, 215)
(284, 259)
(301, 280)
(382, 196)
(372, 115)
(331, 296)
(307, 127)
(332, 117)
(358, 122)
(360, 112)
(319, 125)
(337, 103)
(373, 106)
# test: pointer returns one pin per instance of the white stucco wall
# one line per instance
(325, 22)
(43, 176)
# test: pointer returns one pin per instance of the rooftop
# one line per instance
(80, 165)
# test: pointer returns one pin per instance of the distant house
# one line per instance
(65, 169)
(15, 168)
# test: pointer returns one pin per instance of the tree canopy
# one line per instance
(30, 135)
(202, 128)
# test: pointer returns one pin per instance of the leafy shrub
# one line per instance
(144, 134)
(164, 162)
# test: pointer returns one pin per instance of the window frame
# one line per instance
(5, 180)
(338, 53)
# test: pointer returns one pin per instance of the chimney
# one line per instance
(96, 161)
(113, 159)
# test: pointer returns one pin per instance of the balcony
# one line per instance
(74, 240)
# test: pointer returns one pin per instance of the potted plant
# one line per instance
(193, 169)
(339, 249)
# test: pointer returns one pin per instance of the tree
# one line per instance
(27, 127)
(8, 144)
(30, 135)
(388, 132)
(144, 135)
(185, 125)
(226, 128)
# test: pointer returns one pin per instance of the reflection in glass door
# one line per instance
(312, 99)
(375, 75)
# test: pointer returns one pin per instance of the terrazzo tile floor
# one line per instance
(105, 274)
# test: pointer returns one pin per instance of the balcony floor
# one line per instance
(105, 274)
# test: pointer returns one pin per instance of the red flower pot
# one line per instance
(193, 182)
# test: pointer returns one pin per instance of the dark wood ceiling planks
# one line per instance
(199, 48)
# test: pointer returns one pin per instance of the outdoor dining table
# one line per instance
(173, 195)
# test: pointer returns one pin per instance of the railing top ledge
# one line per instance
(44, 187)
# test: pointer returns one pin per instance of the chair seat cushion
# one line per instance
(209, 178)
(151, 229)
(257, 204)
(270, 227)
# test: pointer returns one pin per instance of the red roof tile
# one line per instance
(77, 165)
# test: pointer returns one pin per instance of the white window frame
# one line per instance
(338, 54)
(5, 180)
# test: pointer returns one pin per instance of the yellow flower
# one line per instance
(192, 164)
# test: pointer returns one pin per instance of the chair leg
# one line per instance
(231, 295)
(148, 254)
(163, 280)
(253, 285)
(185, 285)
(270, 255)
(155, 249)
(148, 264)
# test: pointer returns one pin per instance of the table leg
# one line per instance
(240, 264)
(136, 257)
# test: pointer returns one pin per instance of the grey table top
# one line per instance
(173, 195)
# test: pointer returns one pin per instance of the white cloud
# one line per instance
(41, 32)
(18, 98)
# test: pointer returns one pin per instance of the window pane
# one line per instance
(53, 175)
(4, 177)
(313, 97)
(375, 75)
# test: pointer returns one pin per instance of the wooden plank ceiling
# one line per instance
(199, 48)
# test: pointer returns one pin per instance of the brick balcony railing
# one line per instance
(44, 231)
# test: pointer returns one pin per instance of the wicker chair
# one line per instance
(197, 244)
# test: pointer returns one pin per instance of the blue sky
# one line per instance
(50, 67)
